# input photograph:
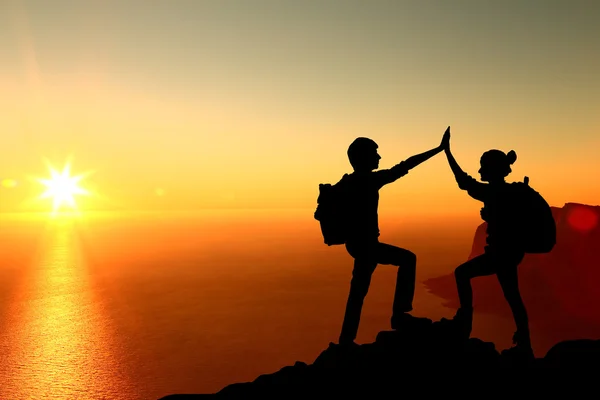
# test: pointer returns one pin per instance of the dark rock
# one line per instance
(428, 359)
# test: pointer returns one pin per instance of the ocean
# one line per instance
(142, 305)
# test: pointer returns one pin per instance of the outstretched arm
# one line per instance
(402, 168)
(417, 159)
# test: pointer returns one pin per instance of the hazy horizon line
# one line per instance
(395, 211)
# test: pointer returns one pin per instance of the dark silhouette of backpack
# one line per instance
(332, 206)
(536, 227)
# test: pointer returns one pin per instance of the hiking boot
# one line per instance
(460, 325)
(405, 320)
(519, 353)
(521, 338)
(522, 349)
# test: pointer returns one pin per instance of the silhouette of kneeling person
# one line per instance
(502, 253)
(363, 234)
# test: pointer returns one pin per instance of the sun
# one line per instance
(62, 187)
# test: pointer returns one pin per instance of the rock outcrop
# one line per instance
(561, 295)
(421, 360)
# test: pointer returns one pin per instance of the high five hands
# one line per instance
(445, 144)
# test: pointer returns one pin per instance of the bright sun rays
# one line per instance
(62, 188)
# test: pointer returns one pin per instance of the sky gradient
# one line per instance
(219, 104)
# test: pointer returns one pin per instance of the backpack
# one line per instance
(331, 212)
(536, 225)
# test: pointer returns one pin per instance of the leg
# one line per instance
(406, 261)
(359, 286)
(509, 281)
(481, 265)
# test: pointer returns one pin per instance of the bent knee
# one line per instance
(461, 273)
(410, 259)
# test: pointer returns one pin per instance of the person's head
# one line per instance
(363, 155)
(495, 165)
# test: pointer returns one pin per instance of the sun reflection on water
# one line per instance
(56, 341)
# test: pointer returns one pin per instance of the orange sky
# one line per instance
(188, 105)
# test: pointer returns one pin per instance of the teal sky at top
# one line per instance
(324, 52)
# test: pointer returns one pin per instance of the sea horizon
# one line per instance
(150, 303)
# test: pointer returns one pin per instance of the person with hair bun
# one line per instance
(503, 252)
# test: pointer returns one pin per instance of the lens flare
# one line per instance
(583, 218)
(62, 187)
(9, 183)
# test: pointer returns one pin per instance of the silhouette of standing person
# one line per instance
(503, 253)
(362, 234)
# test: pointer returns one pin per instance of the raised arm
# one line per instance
(476, 190)
(417, 159)
(390, 175)
(459, 174)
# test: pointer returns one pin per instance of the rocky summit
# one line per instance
(425, 359)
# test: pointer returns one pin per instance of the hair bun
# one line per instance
(511, 157)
